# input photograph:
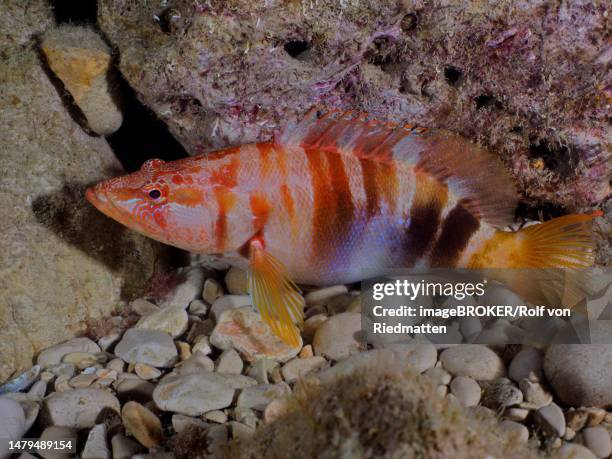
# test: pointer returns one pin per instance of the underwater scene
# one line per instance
(337, 229)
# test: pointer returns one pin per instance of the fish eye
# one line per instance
(154, 193)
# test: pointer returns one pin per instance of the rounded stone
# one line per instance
(55, 354)
(518, 431)
(152, 347)
(12, 423)
(580, 374)
(236, 281)
(466, 390)
(336, 338)
(297, 368)
(77, 408)
(473, 360)
(195, 394)
(169, 320)
(526, 364)
(420, 354)
(597, 439)
(142, 424)
(575, 451)
(551, 419)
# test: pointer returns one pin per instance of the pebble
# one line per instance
(551, 419)
(261, 369)
(197, 308)
(38, 389)
(466, 390)
(195, 364)
(62, 369)
(144, 426)
(337, 337)
(516, 414)
(77, 408)
(188, 290)
(259, 396)
(518, 431)
(419, 353)
(527, 364)
(146, 372)
(297, 368)
(470, 327)
(306, 352)
(181, 422)
(107, 341)
(54, 354)
(12, 423)
(236, 281)
(312, 324)
(501, 393)
(184, 350)
(439, 375)
(143, 307)
(535, 395)
(473, 360)
(241, 431)
(83, 380)
(322, 296)
(580, 374)
(202, 345)
(574, 451)
(229, 362)
(152, 347)
(172, 321)
(106, 373)
(81, 360)
(228, 302)
(96, 446)
(116, 364)
(123, 447)
(135, 389)
(57, 433)
(217, 416)
(597, 439)
(198, 393)
(275, 409)
(62, 383)
(246, 416)
(244, 330)
(212, 290)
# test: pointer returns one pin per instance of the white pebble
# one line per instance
(466, 390)
(518, 431)
(597, 439)
(551, 419)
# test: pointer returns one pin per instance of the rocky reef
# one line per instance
(62, 263)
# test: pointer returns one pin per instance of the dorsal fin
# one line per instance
(475, 176)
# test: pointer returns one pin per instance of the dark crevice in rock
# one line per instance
(560, 160)
(296, 48)
(487, 101)
(409, 22)
(142, 135)
(542, 212)
(74, 12)
(453, 76)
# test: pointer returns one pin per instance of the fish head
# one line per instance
(163, 201)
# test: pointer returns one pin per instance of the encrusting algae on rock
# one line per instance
(355, 197)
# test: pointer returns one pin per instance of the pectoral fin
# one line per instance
(274, 294)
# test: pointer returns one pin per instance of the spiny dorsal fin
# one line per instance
(475, 176)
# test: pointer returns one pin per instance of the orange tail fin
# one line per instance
(545, 263)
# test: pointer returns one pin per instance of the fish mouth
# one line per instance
(98, 198)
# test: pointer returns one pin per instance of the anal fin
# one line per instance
(274, 294)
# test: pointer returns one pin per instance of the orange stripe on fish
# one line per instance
(260, 208)
(187, 196)
(265, 151)
(226, 200)
(369, 172)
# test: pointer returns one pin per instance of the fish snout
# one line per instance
(96, 196)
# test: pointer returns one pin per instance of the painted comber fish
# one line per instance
(337, 198)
